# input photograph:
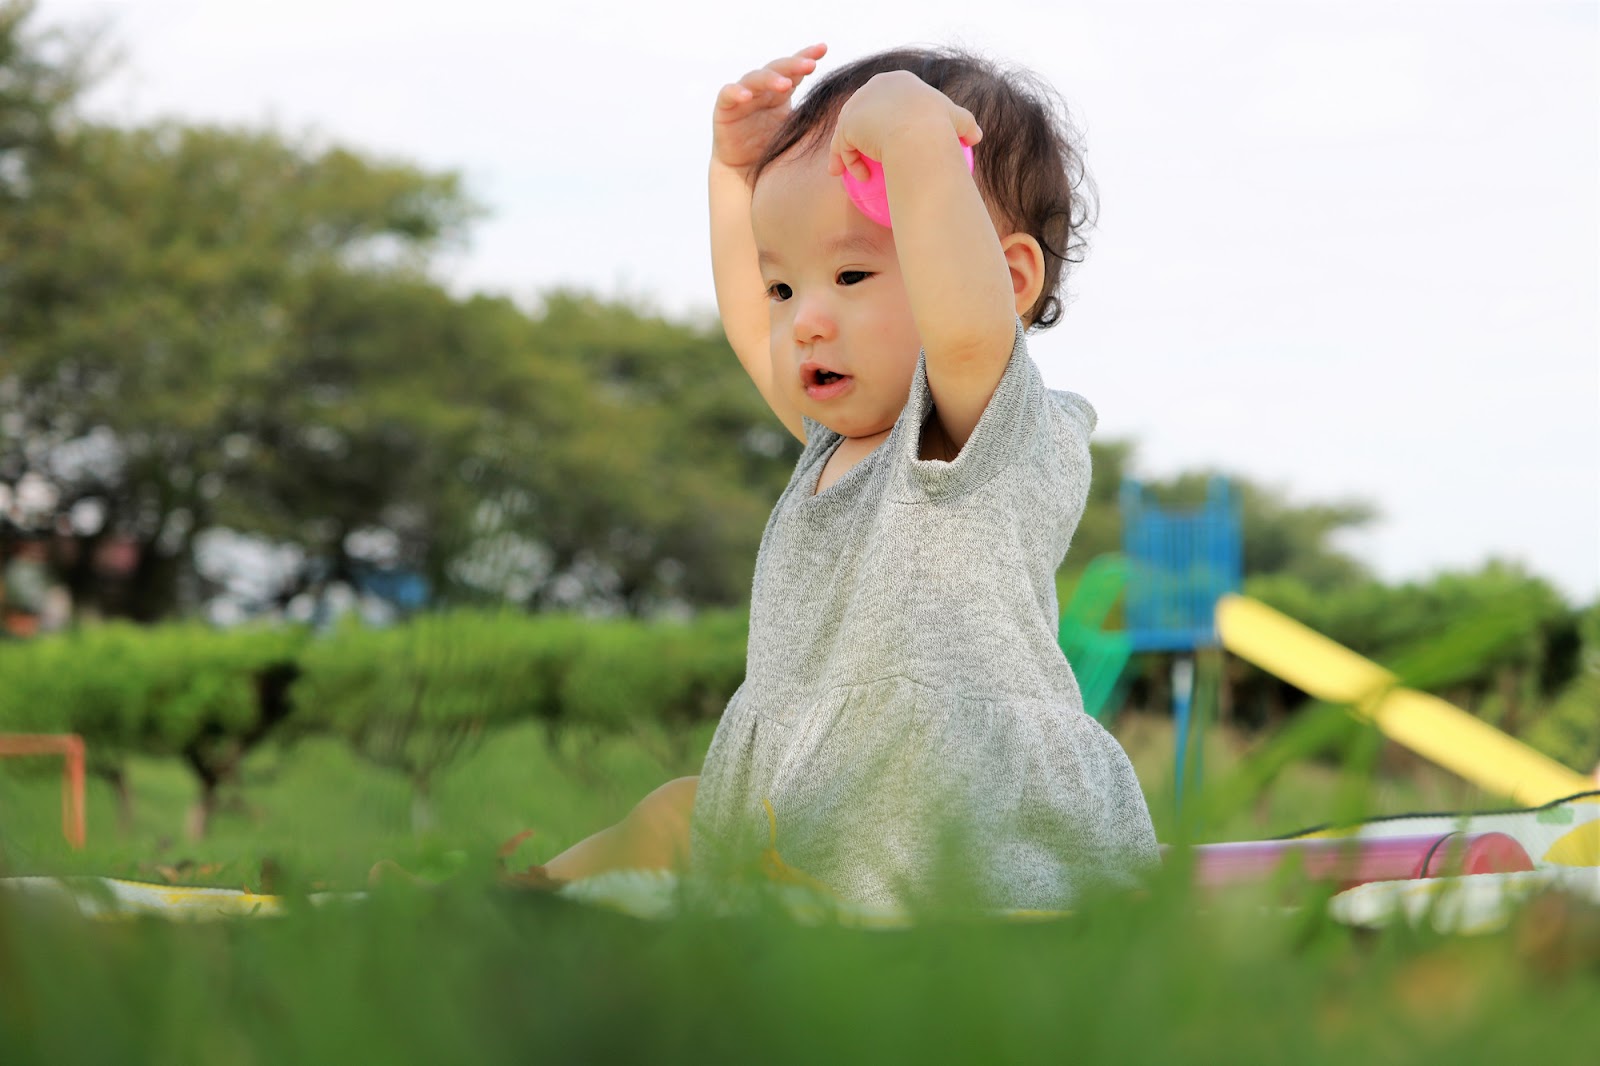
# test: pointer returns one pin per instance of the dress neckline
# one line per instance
(848, 476)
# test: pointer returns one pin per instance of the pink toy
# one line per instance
(872, 196)
(1356, 861)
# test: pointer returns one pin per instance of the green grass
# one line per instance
(328, 816)
(470, 972)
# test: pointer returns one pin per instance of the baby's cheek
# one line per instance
(777, 351)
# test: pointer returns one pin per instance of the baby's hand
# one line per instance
(882, 109)
(750, 110)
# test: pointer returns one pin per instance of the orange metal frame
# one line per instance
(70, 747)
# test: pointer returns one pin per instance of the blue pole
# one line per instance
(1182, 695)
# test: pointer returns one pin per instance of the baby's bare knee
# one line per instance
(658, 827)
(669, 807)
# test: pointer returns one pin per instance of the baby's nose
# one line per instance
(813, 320)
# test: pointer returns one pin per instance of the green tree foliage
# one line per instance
(1569, 728)
(1497, 641)
(1100, 529)
(1396, 622)
(42, 74)
(160, 295)
(219, 328)
(653, 475)
(385, 398)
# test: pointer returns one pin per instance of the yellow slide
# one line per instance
(1436, 730)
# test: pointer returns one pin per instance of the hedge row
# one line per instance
(409, 697)
(413, 697)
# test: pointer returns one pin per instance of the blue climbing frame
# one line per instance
(1180, 562)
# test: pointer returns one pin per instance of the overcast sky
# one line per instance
(1348, 249)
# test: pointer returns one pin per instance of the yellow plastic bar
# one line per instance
(1438, 731)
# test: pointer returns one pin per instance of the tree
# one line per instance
(42, 74)
(211, 328)
(157, 285)
(656, 490)
(1100, 529)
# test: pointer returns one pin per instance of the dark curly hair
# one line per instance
(1029, 167)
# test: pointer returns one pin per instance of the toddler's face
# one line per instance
(844, 343)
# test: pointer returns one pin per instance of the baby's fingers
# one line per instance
(842, 158)
(733, 96)
(776, 85)
(797, 66)
(756, 90)
(780, 77)
(767, 80)
(966, 126)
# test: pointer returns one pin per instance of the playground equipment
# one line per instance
(1099, 656)
(71, 749)
(1436, 730)
(1180, 563)
(1174, 567)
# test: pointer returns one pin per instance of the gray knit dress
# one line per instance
(903, 679)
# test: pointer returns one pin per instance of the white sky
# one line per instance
(1348, 248)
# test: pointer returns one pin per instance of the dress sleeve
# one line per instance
(1078, 411)
(1018, 411)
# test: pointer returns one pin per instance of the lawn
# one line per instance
(467, 971)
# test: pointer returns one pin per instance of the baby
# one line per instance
(906, 710)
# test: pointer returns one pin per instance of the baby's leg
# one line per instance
(654, 836)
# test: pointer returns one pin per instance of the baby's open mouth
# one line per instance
(823, 384)
(816, 375)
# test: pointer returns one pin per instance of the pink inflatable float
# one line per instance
(1358, 861)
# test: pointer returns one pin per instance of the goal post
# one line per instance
(71, 749)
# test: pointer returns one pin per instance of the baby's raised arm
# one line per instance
(748, 112)
(965, 282)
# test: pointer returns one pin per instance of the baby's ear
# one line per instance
(1025, 261)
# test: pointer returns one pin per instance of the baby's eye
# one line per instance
(853, 277)
(779, 291)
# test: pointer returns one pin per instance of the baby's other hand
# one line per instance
(750, 110)
(882, 109)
